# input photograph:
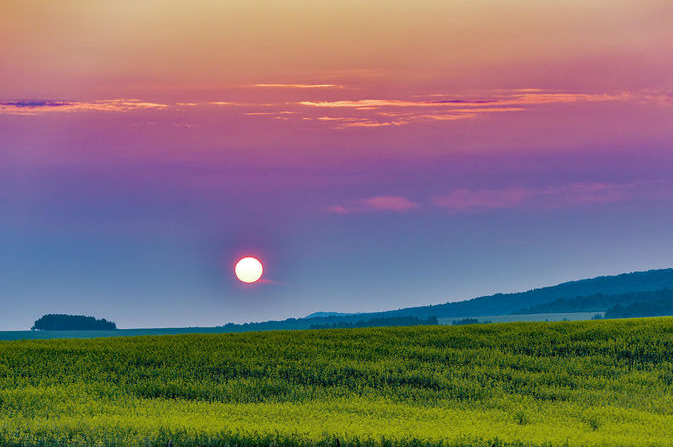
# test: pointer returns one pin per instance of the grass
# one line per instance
(46, 335)
(599, 383)
(558, 316)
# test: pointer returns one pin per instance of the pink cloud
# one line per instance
(571, 195)
(379, 203)
(339, 209)
(390, 203)
(483, 199)
(464, 200)
(578, 194)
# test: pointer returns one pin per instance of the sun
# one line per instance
(249, 270)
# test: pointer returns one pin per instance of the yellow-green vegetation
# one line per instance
(598, 383)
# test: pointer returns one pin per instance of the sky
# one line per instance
(372, 154)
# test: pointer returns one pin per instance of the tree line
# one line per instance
(64, 322)
(378, 322)
(602, 302)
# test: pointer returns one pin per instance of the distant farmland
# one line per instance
(300, 324)
(519, 384)
(558, 316)
(44, 335)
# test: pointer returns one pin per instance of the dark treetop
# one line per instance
(63, 322)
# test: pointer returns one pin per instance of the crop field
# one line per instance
(598, 383)
(43, 335)
(558, 316)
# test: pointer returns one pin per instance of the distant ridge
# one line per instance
(506, 303)
(328, 314)
(498, 304)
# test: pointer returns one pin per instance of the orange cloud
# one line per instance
(223, 103)
(528, 98)
(408, 111)
(369, 123)
(299, 86)
(364, 104)
(351, 121)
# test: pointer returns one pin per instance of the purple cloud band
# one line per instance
(464, 200)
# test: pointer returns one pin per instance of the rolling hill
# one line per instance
(506, 303)
(572, 292)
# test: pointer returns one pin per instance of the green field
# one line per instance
(44, 335)
(298, 324)
(557, 316)
(598, 383)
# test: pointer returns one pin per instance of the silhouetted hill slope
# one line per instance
(599, 302)
(506, 303)
(498, 304)
(328, 314)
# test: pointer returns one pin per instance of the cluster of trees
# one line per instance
(378, 322)
(64, 322)
(601, 302)
(658, 308)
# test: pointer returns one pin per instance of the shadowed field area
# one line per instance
(568, 383)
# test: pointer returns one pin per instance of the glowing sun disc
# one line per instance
(249, 270)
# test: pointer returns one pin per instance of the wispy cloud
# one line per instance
(354, 113)
(390, 203)
(519, 98)
(378, 203)
(223, 103)
(34, 104)
(353, 121)
(366, 104)
(47, 106)
(571, 195)
(401, 118)
(282, 112)
(452, 111)
(467, 201)
(300, 86)
(439, 107)
(372, 123)
(483, 199)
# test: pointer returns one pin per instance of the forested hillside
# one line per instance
(498, 304)
(599, 302)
